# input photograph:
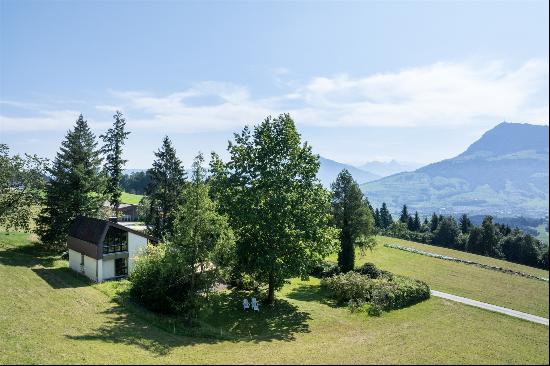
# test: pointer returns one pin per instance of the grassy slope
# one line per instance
(49, 314)
(497, 288)
(130, 198)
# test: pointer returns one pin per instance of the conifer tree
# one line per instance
(165, 190)
(75, 186)
(404, 218)
(113, 140)
(385, 217)
(417, 224)
(410, 223)
(377, 218)
(465, 224)
(434, 223)
(352, 216)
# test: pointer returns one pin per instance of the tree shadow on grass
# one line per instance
(281, 321)
(59, 278)
(27, 256)
(123, 327)
(223, 320)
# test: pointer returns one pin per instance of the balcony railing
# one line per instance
(113, 248)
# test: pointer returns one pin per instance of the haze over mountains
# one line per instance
(329, 169)
(504, 173)
(385, 168)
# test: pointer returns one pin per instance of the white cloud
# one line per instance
(441, 94)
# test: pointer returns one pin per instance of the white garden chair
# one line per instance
(246, 304)
(255, 306)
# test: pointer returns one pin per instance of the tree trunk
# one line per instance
(271, 290)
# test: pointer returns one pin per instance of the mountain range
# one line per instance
(504, 173)
(329, 170)
(385, 168)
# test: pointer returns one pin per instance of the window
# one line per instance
(121, 269)
(116, 240)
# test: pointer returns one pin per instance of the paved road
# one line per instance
(490, 307)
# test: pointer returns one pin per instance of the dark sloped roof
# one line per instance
(93, 230)
(89, 229)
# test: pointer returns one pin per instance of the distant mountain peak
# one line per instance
(503, 173)
(507, 137)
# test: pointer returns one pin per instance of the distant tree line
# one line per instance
(490, 239)
(135, 182)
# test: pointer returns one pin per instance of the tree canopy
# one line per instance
(21, 185)
(278, 208)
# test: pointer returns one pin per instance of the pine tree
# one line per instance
(404, 218)
(417, 224)
(434, 223)
(352, 216)
(410, 223)
(385, 217)
(377, 218)
(113, 140)
(465, 224)
(165, 190)
(75, 187)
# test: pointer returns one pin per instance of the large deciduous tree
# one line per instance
(21, 185)
(277, 206)
(353, 216)
(165, 190)
(75, 186)
(114, 163)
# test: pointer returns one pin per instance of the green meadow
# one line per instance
(48, 314)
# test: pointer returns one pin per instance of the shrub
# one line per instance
(368, 269)
(159, 282)
(383, 293)
(324, 269)
(349, 286)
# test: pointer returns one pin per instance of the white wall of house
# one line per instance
(136, 244)
(108, 268)
(89, 268)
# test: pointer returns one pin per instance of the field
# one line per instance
(49, 314)
(130, 198)
(515, 292)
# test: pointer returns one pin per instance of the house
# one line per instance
(104, 249)
(128, 212)
(125, 211)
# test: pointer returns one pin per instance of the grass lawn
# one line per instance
(515, 292)
(48, 314)
(130, 198)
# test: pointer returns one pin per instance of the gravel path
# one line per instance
(490, 307)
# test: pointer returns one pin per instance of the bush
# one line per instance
(349, 286)
(324, 269)
(369, 270)
(383, 293)
(159, 282)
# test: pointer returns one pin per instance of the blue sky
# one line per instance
(414, 81)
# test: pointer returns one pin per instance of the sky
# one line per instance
(412, 81)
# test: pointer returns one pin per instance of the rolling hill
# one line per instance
(504, 173)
